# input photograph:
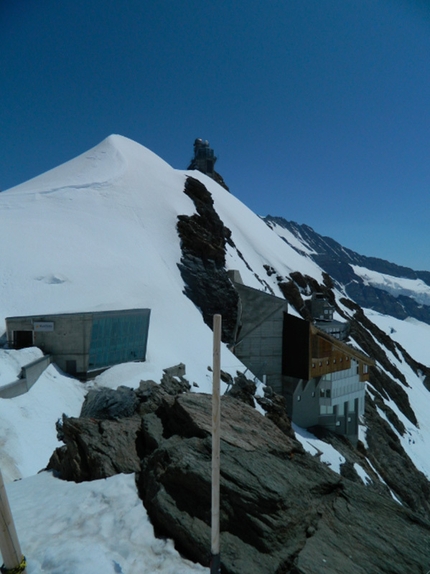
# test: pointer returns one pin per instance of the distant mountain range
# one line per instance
(390, 289)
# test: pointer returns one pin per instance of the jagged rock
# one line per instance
(150, 395)
(226, 377)
(292, 294)
(203, 243)
(275, 407)
(173, 385)
(348, 471)
(105, 403)
(96, 448)
(281, 510)
(175, 371)
(243, 389)
(388, 411)
(388, 457)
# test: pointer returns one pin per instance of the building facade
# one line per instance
(321, 377)
(83, 344)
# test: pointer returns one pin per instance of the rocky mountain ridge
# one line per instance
(338, 262)
(165, 440)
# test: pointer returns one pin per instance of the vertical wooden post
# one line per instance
(9, 544)
(216, 413)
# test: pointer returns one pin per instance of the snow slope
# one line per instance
(415, 288)
(100, 233)
(89, 528)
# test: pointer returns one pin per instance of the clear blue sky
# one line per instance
(318, 110)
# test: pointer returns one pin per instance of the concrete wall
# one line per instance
(334, 401)
(304, 403)
(32, 371)
(29, 375)
(259, 342)
(69, 339)
(261, 350)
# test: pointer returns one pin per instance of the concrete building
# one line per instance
(322, 314)
(260, 333)
(321, 377)
(83, 344)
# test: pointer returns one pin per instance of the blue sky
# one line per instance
(318, 110)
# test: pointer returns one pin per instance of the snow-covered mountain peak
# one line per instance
(104, 163)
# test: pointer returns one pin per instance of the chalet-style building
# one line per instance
(309, 363)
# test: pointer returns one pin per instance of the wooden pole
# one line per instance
(9, 544)
(216, 412)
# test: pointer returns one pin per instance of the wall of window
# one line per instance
(118, 339)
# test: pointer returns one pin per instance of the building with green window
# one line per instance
(84, 344)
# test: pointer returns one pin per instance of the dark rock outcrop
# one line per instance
(203, 240)
(388, 457)
(282, 510)
(96, 448)
(103, 441)
(243, 389)
(109, 404)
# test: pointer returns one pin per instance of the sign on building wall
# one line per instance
(43, 326)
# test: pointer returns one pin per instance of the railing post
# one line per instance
(216, 414)
(13, 558)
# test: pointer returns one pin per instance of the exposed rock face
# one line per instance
(389, 458)
(103, 441)
(109, 404)
(203, 239)
(282, 511)
(96, 448)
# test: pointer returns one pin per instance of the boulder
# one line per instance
(105, 403)
(282, 511)
(96, 448)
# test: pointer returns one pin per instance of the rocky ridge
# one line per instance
(282, 510)
(383, 449)
(337, 261)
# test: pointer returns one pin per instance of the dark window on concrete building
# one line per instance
(117, 340)
(22, 339)
(71, 367)
(295, 347)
